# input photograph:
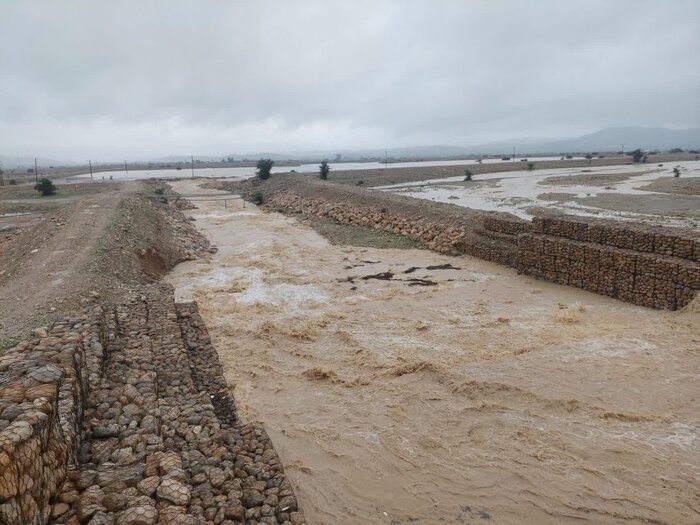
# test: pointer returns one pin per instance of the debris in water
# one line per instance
(419, 282)
(318, 374)
(383, 276)
(447, 266)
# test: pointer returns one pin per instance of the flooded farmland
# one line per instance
(598, 191)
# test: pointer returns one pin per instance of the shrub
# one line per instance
(258, 198)
(45, 187)
(359, 183)
(637, 155)
(13, 182)
(467, 175)
(676, 172)
(530, 166)
(264, 168)
(159, 191)
(324, 169)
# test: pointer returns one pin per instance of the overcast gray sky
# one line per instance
(97, 79)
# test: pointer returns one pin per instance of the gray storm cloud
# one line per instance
(87, 78)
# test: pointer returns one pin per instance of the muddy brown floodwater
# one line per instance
(488, 398)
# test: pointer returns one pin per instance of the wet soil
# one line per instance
(343, 234)
(680, 185)
(488, 397)
(592, 179)
(658, 204)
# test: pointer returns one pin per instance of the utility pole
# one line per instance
(126, 169)
(192, 164)
(36, 172)
(90, 164)
(513, 157)
(386, 159)
(623, 150)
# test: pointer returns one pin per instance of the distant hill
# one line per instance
(605, 140)
(612, 139)
(608, 139)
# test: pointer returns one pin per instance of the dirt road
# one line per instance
(487, 397)
(49, 265)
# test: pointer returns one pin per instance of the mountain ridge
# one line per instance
(604, 140)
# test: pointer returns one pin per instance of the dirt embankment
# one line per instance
(97, 245)
(309, 187)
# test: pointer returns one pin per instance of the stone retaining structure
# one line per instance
(122, 416)
(43, 387)
(649, 266)
(654, 267)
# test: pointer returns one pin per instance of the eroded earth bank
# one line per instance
(457, 391)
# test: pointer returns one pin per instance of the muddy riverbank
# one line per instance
(488, 396)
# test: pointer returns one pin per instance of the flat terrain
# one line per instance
(589, 179)
(24, 198)
(680, 186)
(486, 397)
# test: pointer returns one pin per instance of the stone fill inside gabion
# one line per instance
(160, 441)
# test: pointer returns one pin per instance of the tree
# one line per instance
(637, 155)
(45, 187)
(264, 168)
(530, 166)
(676, 150)
(467, 175)
(589, 158)
(324, 169)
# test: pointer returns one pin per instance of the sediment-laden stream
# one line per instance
(486, 397)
